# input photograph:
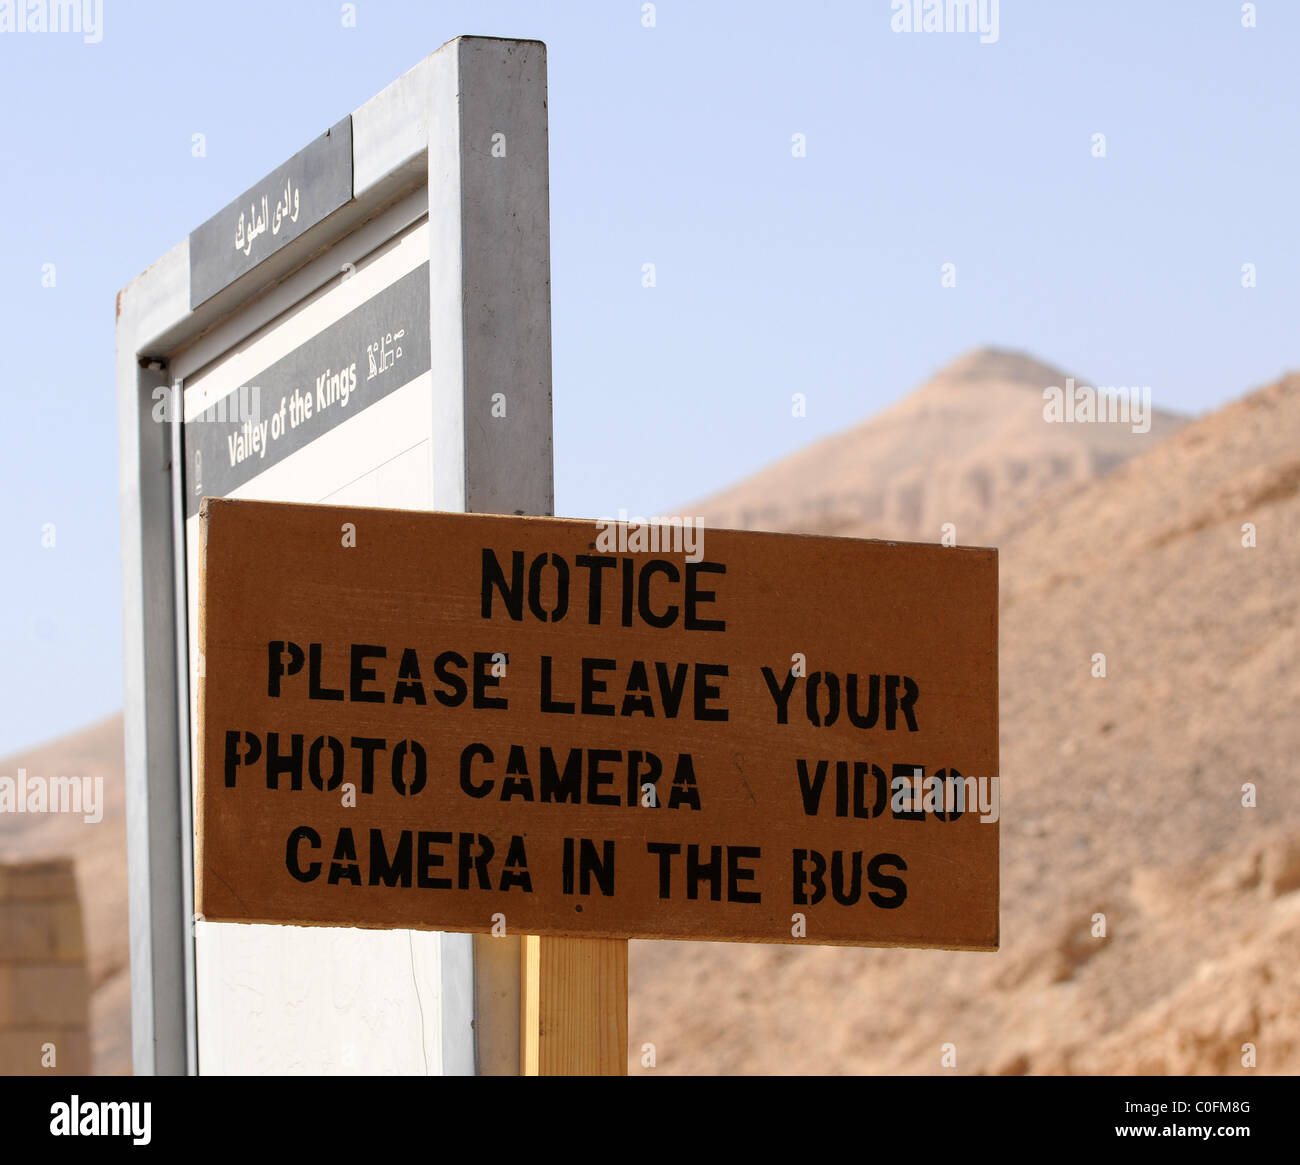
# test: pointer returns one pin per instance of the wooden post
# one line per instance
(574, 1007)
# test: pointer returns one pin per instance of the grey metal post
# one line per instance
(491, 330)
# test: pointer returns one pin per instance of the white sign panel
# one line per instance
(330, 403)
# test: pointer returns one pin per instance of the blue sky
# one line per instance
(669, 145)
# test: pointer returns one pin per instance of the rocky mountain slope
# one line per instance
(1127, 796)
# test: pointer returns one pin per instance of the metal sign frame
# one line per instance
(463, 135)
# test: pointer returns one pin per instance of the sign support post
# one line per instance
(574, 1020)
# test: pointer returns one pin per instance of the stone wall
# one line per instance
(44, 987)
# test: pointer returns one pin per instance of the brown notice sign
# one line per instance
(541, 726)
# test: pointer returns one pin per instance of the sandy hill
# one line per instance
(1121, 795)
(99, 849)
(969, 446)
